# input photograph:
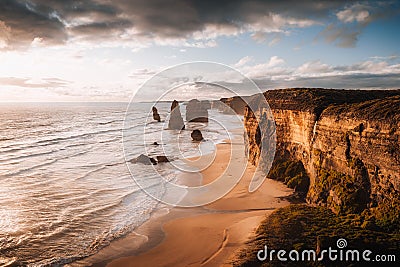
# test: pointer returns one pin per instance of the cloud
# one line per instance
(313, 67)
(357, 12)
(21, 23)
(32, 83)
(365, 75)
(259, 37)
(274, 61)
(137, 23)
(5, 33)
(273, 67)
(142, 74)
(104, 28)
(271, 38)
(391, 57)
(352, 20)
(191, 23)
(341, 36)
(243, 61)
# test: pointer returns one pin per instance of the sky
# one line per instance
(103, 50)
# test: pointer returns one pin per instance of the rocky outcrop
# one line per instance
(236, 103)
(196, 136)
(161, 159)
(346, 140)
(175, 119)
(143, 159)
(156, 116)
(197, 111)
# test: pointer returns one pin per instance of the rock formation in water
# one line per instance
(197, 136)
(237, 103)
(161, 159)
(156, 116)
(197, 111)
(339, 146)
(175, 119)
(143, 159)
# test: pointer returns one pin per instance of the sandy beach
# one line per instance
(202, 236)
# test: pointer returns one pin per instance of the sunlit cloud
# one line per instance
(364, 75)
(99, 50)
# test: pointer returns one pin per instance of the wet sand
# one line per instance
(208, 235)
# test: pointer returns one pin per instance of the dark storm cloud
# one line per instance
(226, 10)
(167, 18)
(56, 21)
(20, 24)
(99, 29)
(76, 8)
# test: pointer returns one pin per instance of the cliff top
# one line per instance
(371, 104)
(387, 109)
(318, 99)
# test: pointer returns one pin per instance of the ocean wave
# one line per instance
(87, 174)
(109, 122)
(49, 162)
(56, 140)
(77, 195)
(10, 159)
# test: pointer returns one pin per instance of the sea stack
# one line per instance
(175, 119)
(144, 160)
(161, 159)
(197, 136)
(156, 116)
(196, 111)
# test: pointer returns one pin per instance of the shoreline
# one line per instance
(208, 235)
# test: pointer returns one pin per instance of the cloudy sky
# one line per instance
(103, 50)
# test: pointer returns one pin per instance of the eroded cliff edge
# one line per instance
(339, 147)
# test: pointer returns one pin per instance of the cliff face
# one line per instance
(347, 142)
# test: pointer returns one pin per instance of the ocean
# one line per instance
(65, 189)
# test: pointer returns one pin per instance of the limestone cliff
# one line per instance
(344, 144)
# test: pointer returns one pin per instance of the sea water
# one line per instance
(65, 189)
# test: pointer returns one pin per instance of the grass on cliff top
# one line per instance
(317, 99)
(378, 109)
(301, 227)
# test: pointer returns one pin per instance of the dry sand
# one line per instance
(209, 235)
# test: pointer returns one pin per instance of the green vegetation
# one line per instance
(291, 173)
(342, 193)
(385, 216)
(304, 227)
